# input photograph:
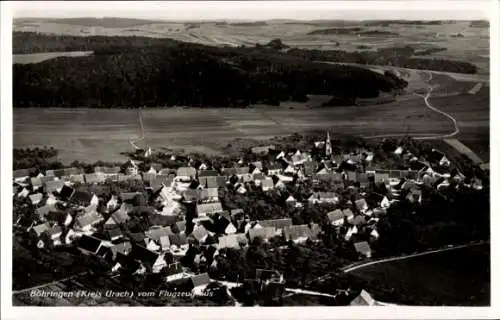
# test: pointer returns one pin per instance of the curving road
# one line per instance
(356, 267)
(430, 106)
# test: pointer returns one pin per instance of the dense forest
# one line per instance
(131, 75)
(399, 57)
(141, 71)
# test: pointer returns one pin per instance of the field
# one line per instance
(79, 134)
(455, 277)
(91, 135)
(39, 57)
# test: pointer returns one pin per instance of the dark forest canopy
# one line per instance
(127, 73)
(30, 42)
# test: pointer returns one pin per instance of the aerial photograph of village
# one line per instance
(251, 162)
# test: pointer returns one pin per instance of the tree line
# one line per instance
(134, 71)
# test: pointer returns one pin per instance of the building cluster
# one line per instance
(98, 225)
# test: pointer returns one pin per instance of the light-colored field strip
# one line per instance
(476, 88)
(367, 264)
(463, 149)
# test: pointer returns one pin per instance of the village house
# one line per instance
(178, 244)
(207, 173)
(223, 224)
(43, 211)
(89, 245)
(231, 241)
(323, 197)
(123, 248)
(267, 184)
(36, 198)
(152, 261)
(278, 224)
(199, 282)
(85, 223)
(380, 177)
(36, 183)
(363, 248)
(37, 232)
(114, 234)
(204, 209)
(186, 174)
(336, 217)
(363, 299)
(348, 214)
(299, 233)
(262, 150)
(54, 186)
(264, 233)
(274, 169)
(200, 234)
(361, 205)
(21, 175)
(210, 195)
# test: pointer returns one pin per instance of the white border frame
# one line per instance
(9, 312)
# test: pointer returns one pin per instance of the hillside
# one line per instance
(105, 22)
(124, 72)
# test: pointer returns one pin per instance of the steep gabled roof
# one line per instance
(41, 228)
(276, 223)
(295, 232)
(199, 233)
(178, 239)
(263, 233)
(21, 173)
(186, 172)
(123, 248)
(229, 241)
(200, 279)
(156, 233)
(54, 185)
(89, 243)
(207, 173)
(362, 247)
(335, 215)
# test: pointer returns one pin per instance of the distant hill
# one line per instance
(248, 24)
(385, 23)
(106, 22)
(336, 31)
(352, 31)
(479, 24)
(124, 72)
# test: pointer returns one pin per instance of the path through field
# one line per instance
(431, 107)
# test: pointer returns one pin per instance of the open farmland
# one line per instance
(472, 113)
(39, 57)
(454, 277)
(78, 133)
(92, 134)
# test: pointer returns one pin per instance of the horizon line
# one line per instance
(242, 19)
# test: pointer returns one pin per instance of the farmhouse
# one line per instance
(278, 224)
(205, 209)
(336, 217)
(363, 248)
(264, 233)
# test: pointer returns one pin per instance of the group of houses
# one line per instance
(97, 224)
